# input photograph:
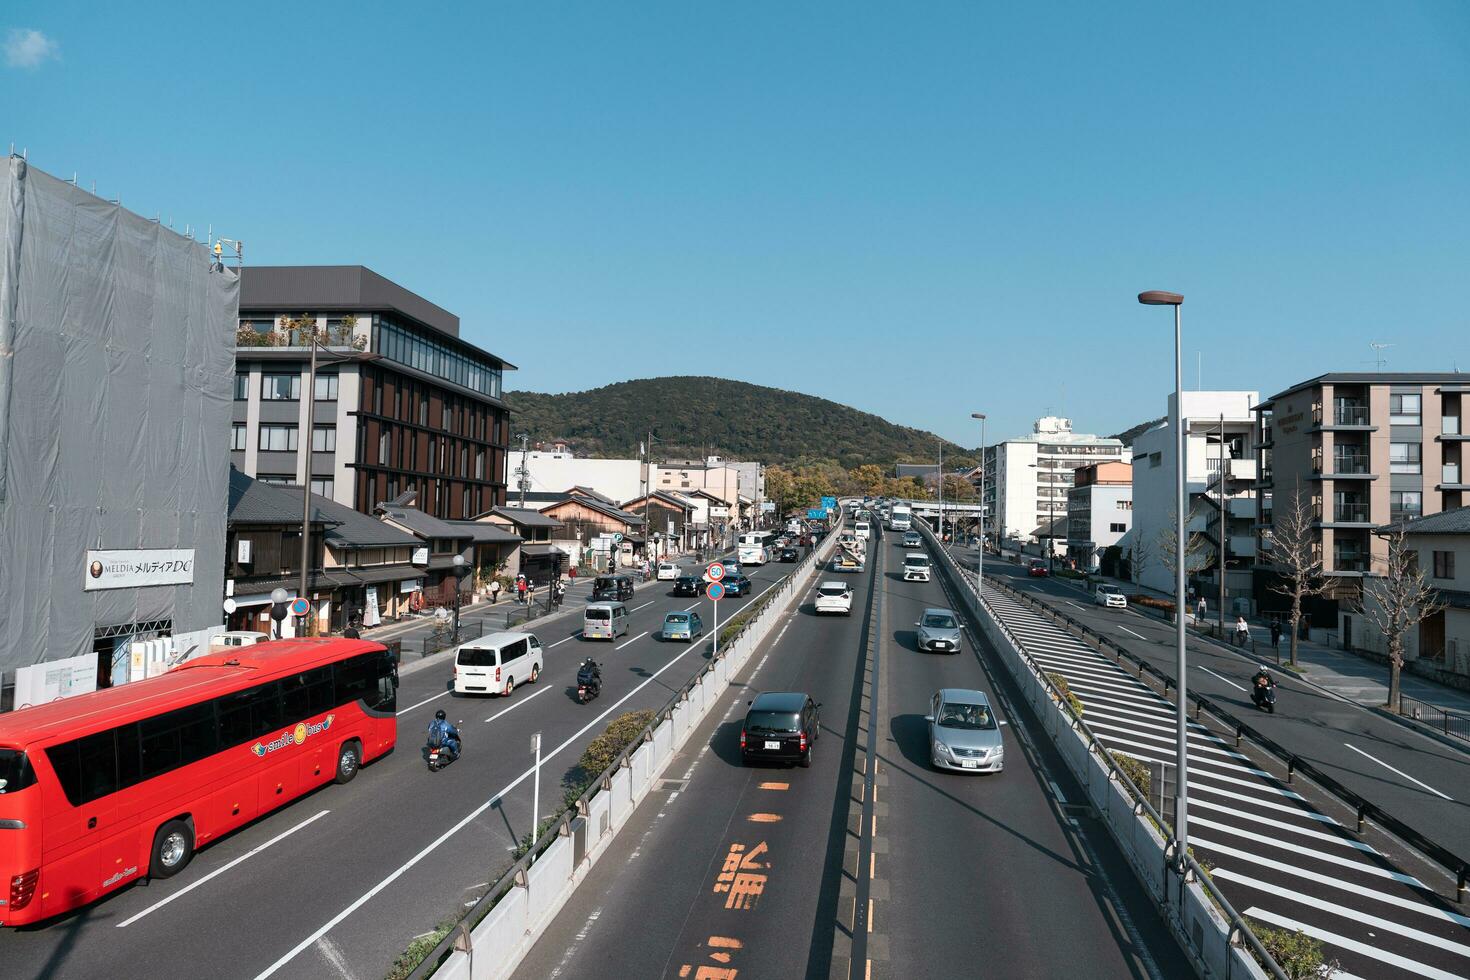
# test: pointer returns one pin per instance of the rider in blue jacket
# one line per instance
(442, 733)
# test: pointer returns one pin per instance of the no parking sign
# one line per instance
(715, 591)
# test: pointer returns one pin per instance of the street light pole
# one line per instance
(980, 559)
(459, 571)
(1158, 297)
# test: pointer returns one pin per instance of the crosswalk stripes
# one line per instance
(1275, 856)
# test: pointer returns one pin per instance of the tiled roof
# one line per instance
(1455, 521)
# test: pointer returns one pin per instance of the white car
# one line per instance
(667, 571)
(915, 567)
(1110, 596)
(834, 597)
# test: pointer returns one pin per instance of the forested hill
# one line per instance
(693, 417)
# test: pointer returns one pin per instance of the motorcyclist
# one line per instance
(589, 674)
(444, 735)
(1261, 682)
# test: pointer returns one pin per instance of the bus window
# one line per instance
(15, 771)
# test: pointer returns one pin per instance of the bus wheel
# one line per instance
(173, 846)
(349, 760)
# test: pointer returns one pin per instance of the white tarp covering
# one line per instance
(116, 388)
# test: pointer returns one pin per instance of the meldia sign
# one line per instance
(138, 569)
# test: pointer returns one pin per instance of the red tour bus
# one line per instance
(102, 789)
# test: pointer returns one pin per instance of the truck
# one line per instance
(851, 555)
(901, 518)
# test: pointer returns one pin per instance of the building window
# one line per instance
(1118, 528)
(480, 464)
(326, 387)
(385, 445)
(322, 487)
(324, 438)
(278, 438)
(237, 436)
(1403, 409)
(1405, 504)
(280, 387)
(1125, 505)
(1444, 564)
(242, 385)
(277, 479)
(1403, 457)
(1155, 460)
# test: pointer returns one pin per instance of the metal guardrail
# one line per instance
(459, 936)
(1453, 723)
(1240, 929)
(1457, 866)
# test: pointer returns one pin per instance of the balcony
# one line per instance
(1349, 514)
(1449, 429)
(1451, 478)
(1349, 562)
(340, 337)
(1346, 415)
(1344, 466)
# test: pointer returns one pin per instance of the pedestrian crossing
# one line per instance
(1277, 858)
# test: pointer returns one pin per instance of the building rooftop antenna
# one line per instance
(1378, 358)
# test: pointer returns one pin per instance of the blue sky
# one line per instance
(921, 210)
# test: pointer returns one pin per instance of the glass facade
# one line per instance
(415, 349)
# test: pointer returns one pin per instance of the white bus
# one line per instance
(900, 518)
(754, 548)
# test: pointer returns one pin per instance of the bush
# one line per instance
(1135, 769)
(524, 846)
(1060, 683)
(1298, 954)
(1070, 573)
(1153, 602)
(620, 733)
(415, 953)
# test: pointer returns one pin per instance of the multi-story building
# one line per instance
(114, 408)
(401, 401)
(1360, 450)
(1099, 511)
(1030, 477)
(1219, 442)
(712, 475)
(554, 472)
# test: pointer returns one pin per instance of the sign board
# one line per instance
(816, 514)
(671, 527)
(55, 679)
(768, 506)
(617, 536)
(242, 551)
(410, 585)
(370, 616)
(719, 511)
(230, 606)
(421, 556)
(715, 571)
(829, 503)
(299, 607)
(715, 591)
(138, 569)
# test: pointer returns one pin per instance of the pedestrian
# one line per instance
(494, 591)
(1200, 609)
(572, 574)
(1276, 632)
(530, 594)
(1242, 631)
(352, 632)
(521, 589)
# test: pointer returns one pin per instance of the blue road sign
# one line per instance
(816, 514)
(829, 503)
(299, 607)
(715, 591)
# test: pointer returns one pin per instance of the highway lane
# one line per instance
(1424, 782)
(398, 846)
(971, 874)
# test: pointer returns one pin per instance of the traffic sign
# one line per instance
(715, 571)
(299, 607)
(816, 514)
(828, 503)
(715, 591)
(617, 536)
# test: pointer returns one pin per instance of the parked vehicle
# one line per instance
(495, 664)
(685, 626)
(604, 621)
(915, 567)
(667, 571)
(687, 585)
(1110, 596)
(780, 727)
(612, 588)
(938, 630)
(834, 597)
(964, 734)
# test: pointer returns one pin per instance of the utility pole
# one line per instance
(941, 492)
(980, 556)
(647, 492)
(1224, 526)
(525, 479)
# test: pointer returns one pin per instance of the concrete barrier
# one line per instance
(641, 772)
(622, 798)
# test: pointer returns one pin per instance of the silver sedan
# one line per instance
(964, 734)
(938, 629)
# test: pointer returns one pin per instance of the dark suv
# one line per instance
(612, 588)
(736, 584)
(687, 585)
(780, 727)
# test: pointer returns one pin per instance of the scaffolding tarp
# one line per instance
(116, 388)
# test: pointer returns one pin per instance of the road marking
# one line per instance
(563, 640)
(633, 640)
(221, 870)
(1131, 633)
(525, 700)
(464, 821)
(1078, 605)
(1400, 772)
(1225, 679)
(764, 818)
(1362, 949)
(333, 955)
(422, 703)
(1195, 803)
(644, 606)
(774, 786)
(1367, 869)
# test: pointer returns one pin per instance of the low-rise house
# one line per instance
(589, 523)
(537, 556)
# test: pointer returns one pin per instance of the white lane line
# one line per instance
(422, 703)
(1293, 846)
(1294, 811)
(526, 700)
(1078, 605)
(1196, 803)
(464, 821)
(633, 640)
(1400, 772)
(686, 608)
(1225, 679)
(1362, 949)
(221, 870)
(644, 606)
(563, 640)
(1357, 915)
(1130, 632)
(1366, 869)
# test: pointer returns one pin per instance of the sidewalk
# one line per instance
(1346, 674)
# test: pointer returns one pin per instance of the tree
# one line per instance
(1140, 555)
(780, 488)
(1397, 601)
(1297, 559)
(1198, 552)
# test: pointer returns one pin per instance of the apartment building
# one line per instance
(1219, 441)
(1362, 450)
(1031, 476)
(401, 401)
(1099, 511)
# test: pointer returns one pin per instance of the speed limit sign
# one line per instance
(715, 571)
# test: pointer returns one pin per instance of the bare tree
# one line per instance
(1297, 559)
(1397, 601)
(1139, 555)
(1198, 552)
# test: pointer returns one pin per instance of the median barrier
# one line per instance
(1215, 938)
(503, 926)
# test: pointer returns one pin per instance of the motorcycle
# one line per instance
(1265, 698)
(587, 690)
(440, 756)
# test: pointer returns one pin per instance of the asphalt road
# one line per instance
(970, 875)
(338, 883)
(1422, 781)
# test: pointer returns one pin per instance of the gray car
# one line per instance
(964, 734)
(911, 539)
(938, 630)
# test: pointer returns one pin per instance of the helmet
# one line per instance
(1265, 669)
(439, 715)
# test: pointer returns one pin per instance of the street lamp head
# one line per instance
(977, 415)
(459, 561)
(1160, 297)
(279, 595)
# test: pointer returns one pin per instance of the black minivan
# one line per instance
(612, 588)
(780, 727)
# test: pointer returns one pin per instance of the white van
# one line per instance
(236, 638)
(915, 567)
(604, 621)
(863, 530)
(495, 664)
